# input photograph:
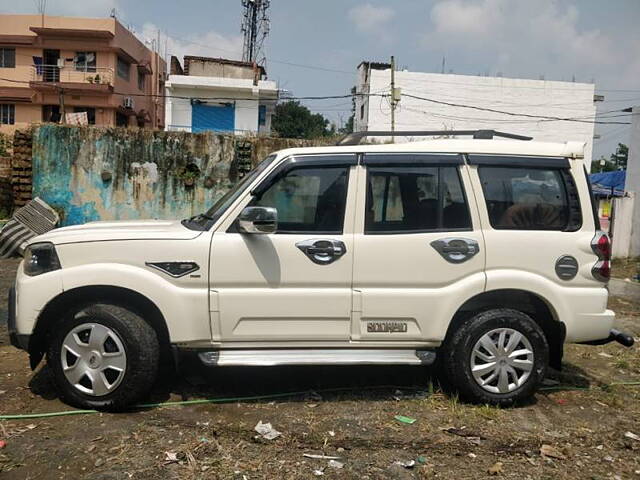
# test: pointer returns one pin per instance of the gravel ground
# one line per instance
(582, 426)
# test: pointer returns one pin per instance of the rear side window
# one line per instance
(415, 199)
(520, 198)
(308, 200)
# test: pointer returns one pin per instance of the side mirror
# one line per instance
(258, 220)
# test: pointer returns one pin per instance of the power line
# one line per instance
(502, 112)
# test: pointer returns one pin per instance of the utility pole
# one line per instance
(255, 28)
(393, 96)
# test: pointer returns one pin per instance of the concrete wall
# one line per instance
(535, 97)
(622, 226)
(632, 182)
(92, 174)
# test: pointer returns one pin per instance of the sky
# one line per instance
(314, 47)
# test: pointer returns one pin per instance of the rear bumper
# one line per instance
(622, 338)
(17, 340)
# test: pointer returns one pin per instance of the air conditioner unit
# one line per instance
(61, 63)
(128, 102)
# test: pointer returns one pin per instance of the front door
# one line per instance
(293, 286)
(419, 251)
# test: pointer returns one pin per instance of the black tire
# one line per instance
(455, 356)
(141, 347)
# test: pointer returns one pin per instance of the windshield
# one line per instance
(204, 221)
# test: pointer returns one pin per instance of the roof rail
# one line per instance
(355, 137)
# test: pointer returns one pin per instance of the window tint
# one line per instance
(85, 61)
(415, 199)
(528, 198)
(7, 57)
(123, 68)
(7, 114)
(308, 200)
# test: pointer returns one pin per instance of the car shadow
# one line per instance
(308, 383)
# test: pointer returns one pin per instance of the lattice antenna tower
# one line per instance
(255, 28)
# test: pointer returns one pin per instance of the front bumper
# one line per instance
(18, 341)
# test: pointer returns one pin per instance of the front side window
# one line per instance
(415, 199)
(7, 58)
(141, 80)
(123, 68)
(308, 200)
(85, 61)
(7, 114)
(520, 198)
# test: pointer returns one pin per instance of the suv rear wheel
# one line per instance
(497, 357)
(103, 357)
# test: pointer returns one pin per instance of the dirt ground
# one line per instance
(583, 425)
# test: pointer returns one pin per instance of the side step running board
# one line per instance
(352, 356)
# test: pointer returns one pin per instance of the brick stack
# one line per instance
(21, 167)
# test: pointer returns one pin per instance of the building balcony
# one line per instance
(89, 80)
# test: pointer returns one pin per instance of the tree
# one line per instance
(348, 127)
(292, 120)
(620, 157)
(616, 161)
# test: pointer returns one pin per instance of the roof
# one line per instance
(498, 147)
(72, 32)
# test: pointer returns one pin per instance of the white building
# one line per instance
(533, 97)
(220, 95)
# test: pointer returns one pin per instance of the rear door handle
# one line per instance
(322, 251)
(456, 249)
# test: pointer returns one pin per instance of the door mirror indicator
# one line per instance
(258, 220)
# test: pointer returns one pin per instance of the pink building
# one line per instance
(53, 66)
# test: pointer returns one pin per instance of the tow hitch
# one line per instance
(615, 336)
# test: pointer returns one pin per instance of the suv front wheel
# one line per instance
(497, 357)
(103, 357)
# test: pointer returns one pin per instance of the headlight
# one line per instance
(40, 258)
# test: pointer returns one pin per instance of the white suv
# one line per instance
(482, 254)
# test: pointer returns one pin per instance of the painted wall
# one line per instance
(534, 97)
(632, 182)
(94, 173)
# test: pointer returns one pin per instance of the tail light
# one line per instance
(601, 246)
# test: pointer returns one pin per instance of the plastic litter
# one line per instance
(407, 464)
(632, 436)
(403, 419)
(552, 452)
(323, 457)
(2, 444)
(335, 464)
(267, 431)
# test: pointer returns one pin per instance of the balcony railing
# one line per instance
(72, 74)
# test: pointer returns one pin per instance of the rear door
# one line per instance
(419, 250)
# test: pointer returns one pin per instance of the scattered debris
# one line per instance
(422, 459)
(2, 392)
(170, 457)
(403, 419)
(267, 431)
(473, 437)
(495, 469)
(323, 457)
(632, 436)
(335, 464)
(605, 355)
(331, 433)
(551, 452)
(407, 464)
(608, 458)
(471, 455)
(318, 473)
(2, 444)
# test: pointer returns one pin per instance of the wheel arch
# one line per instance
(533, 304)
(79, 296)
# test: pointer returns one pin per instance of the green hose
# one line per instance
(263, 397)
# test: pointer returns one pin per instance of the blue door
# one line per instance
(218, 118)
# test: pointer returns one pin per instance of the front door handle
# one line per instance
(456, 249)
(322, 251)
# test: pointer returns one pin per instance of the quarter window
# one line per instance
(530, 198)
(7, 114)
(415, 199)
(308, 200)
(7, 57)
